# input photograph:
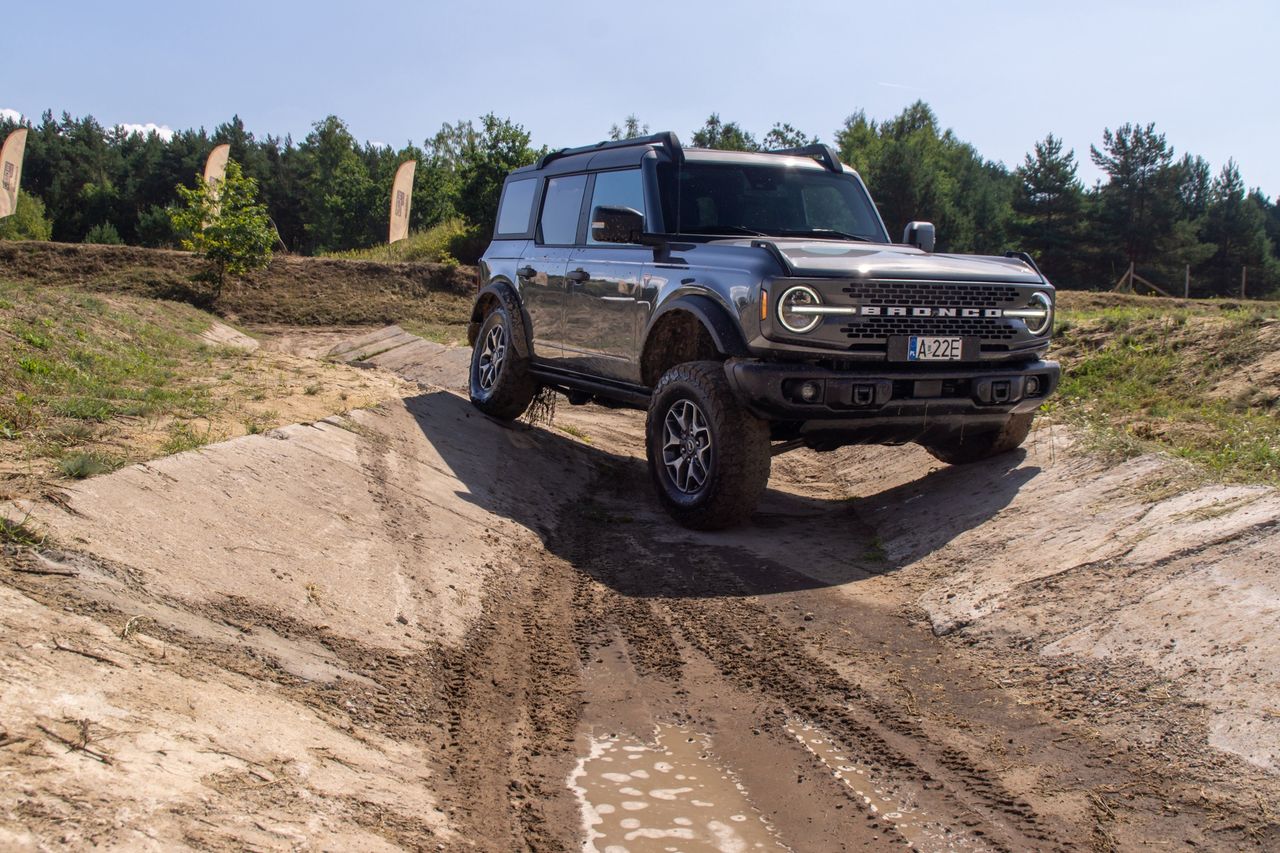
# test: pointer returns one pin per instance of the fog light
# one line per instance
(1033, 386)
(811, 391)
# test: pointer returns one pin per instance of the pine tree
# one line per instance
(1138, 205)
(726, 136)
(629, 129)
(1236, 227)
(1047, 201)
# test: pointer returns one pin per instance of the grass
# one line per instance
(575, 432)
(435, 245)
(450, 333)
(79, 466)
(183, 437)
(73, 357)
(260, 422)
(1151, 375)
(20, 533)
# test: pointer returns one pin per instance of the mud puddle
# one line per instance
(664, 795)
(895, 805)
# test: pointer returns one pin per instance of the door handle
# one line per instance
(578, 275)
(526, 272)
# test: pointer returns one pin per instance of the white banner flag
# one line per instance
(401, 196)
(215, 168)
(11, 170)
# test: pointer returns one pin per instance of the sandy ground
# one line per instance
(413, 627)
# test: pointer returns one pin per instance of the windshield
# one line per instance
(766, 201)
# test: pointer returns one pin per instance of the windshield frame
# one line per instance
(662, 181)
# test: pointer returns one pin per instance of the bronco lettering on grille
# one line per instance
(904, 311)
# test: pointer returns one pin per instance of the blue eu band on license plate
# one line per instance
(921, 348)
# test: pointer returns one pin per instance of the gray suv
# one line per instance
(751, 303)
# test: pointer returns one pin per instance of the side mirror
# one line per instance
(920, 235)
(616, 225)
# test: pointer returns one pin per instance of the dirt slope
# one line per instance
(296, 290)
(420, 628)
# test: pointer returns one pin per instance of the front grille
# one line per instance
(929, 294)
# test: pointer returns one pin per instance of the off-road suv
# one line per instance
(752, 303)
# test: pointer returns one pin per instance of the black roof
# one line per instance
(628, 152)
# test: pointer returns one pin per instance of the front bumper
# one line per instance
(883, 393)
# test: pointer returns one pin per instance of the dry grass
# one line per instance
(91, 382)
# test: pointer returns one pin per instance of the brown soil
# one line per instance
(415, 627)
(295, 290)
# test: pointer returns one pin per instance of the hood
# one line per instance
(882, 260)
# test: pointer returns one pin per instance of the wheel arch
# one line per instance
(500, 292)
(688, 328)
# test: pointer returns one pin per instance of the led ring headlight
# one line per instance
(793, 297)
(1038, 316)
(1046, 322)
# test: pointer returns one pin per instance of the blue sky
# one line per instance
(1001, 74)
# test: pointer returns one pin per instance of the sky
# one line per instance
(1002, 75)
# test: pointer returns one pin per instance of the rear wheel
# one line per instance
(501, 384)
(708, 456)
(975, 445)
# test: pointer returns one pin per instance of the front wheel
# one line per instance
(501, 385)
(976, 445)
(708, 456)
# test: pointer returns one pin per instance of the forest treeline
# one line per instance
(1162, 210)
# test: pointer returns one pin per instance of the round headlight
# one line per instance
(1040, 325)
(791, 307)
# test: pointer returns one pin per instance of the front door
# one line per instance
(542, 269)
(604, 280)
(601, 311)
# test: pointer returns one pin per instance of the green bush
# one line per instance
(226, 225)
(28, 222)
(104, 234)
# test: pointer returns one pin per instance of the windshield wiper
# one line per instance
(730, 229)
(822, 232)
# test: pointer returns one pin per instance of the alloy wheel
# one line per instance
(492, 354)
(686, 446)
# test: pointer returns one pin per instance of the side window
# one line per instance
(617, 189)
(517, 207)
(561, 210)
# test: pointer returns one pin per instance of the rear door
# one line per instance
(542, 270)
(601, 309)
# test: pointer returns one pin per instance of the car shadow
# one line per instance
(598, 510)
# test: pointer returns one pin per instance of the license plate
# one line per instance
(933, 349)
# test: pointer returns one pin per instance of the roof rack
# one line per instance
(667, 139)
(823, 153)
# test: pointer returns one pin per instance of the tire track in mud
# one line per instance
(689, 623)
(507, 695)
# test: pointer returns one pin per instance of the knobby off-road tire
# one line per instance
(974, 446)
(501, 385)
(708, 456)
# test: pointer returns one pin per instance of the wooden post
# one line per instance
(1244, 277)
(1186, 283)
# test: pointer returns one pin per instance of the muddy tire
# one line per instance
(708, 456)
(501, 385)
(974, 446)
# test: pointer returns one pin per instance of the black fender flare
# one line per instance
(503, 292)
(714, 317)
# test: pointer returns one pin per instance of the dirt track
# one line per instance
(416, 627)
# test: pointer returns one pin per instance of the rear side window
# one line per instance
(561, 211)
(517, 207)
